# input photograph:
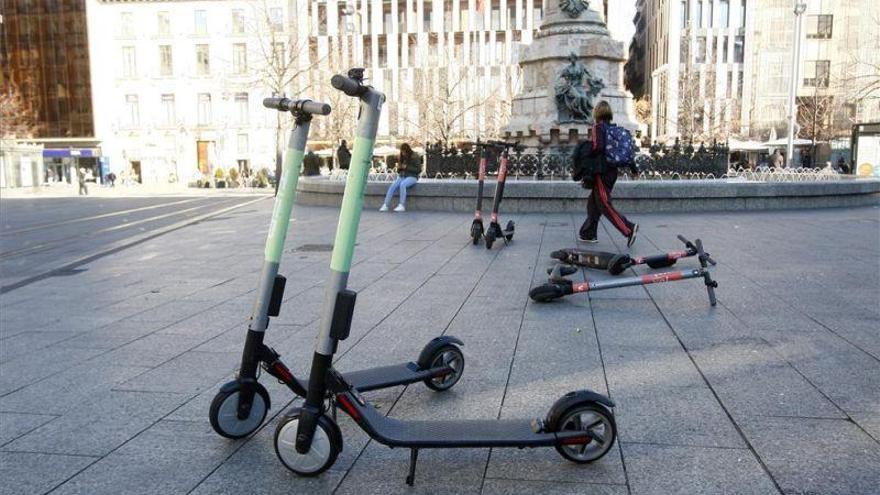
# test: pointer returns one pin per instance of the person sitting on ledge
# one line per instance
(409, 167)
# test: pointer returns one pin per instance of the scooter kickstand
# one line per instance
(413, 458)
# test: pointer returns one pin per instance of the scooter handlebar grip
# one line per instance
(314, 107)
(277, 103)
(347, 85)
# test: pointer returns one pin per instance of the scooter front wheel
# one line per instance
(224, 412)
(476, 232)
(598, 422)
(448, 355)
(510, 228)
(326, 445)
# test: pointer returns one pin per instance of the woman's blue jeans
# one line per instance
(401, 183)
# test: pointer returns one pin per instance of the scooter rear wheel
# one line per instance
(546, 293)
(448, 355)
(224, 413)
(596, 420)
(326, 445)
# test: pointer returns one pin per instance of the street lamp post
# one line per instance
(800, 6)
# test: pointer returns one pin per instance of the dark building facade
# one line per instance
(45, 56)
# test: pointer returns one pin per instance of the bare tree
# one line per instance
(18, 117)
(643, 109)
(444, 107)
(282, 61)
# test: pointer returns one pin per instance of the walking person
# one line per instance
(602, 182)
(81, 179)
(409, 167)
(343, 156)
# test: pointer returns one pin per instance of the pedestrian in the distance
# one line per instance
(343, 156)
(599, 202)
(409, 167)
(841, 165)
(81, 179)
(777, 160)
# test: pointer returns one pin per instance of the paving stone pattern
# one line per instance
(107, 374)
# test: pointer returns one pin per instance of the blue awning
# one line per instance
(71, 152)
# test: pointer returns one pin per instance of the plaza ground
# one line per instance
(118, 329)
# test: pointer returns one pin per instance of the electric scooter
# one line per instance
(580, 425)
(559, 286)
(616, 263)
(477, 225)
(240, 405)
(494, 231)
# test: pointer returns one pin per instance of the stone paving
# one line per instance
(107, 373)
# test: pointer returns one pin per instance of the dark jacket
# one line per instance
(411, 167)
(343, 156)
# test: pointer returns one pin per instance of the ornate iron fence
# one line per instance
(660, 162)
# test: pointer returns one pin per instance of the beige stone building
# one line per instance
(721, 68)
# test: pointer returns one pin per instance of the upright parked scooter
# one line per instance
(580, 425)
(494, 231)
(477, 225)
(240, 406)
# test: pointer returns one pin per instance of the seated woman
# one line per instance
(409, 166)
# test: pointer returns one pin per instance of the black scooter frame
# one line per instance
(430, 368)
(617, 263)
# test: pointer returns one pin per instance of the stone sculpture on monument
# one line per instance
(571, 65)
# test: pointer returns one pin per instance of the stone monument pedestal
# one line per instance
(569, 27)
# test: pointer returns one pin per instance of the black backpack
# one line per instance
(584, 166)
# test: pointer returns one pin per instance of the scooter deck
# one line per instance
(600, 260)
(389, 376)
(456, 434)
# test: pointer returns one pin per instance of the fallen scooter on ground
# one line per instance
(617, 263)
(558, 286)
(240, 406)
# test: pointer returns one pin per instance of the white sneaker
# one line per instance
(400, 208)
(384, 208)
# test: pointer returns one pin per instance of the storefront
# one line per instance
(60, 164)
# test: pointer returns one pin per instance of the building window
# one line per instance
(132, 117)
(496, 19)
(739, 49)
(701, 50)
(725, 13)
(237, 21)
(168, 117)
(239, 58)
(730, 84)
(126, 24)
(538, 16)
(163, 23)
(165, 60)
(725, 41)
(817, 73)
(685, 14)
(241, 108)
(700, 14)
(276, 18)
(820, 27)
(742, 14)
(383, 55)
(201, 22)
(129, 62)
(739, 85)
(711, 19)
(203, 61)
(426, 20)
(243, 143)
(204, 110)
